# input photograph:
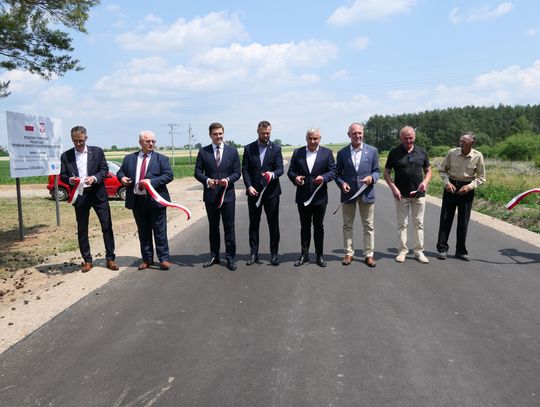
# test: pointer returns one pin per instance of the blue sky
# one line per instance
(297, 64)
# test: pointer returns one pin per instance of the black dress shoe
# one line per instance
(231, 265)
(274, 260)
(252, 260)
(211, 262)
(320, 261)
(301, 260)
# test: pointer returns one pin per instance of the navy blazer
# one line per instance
(159, 173)
(324, 165)
(252, 169)
(369, 165)
(206, 167)
(96, 166)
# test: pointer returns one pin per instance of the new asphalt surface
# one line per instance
(449, 333)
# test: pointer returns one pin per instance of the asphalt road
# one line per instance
(450, 333)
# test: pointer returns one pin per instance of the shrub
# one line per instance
(487, 151)
(438, 151)
(536, 160)
(519, 147)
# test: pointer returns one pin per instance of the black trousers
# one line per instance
(82, 213)
(226, 213)
(308, 215)
(151, 221)
(450, 202)
(271, 209)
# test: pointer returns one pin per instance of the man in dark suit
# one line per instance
(262, 161)
(88, 165)
(150, 216)
(218, 168)
(312, 167)
(358, 165)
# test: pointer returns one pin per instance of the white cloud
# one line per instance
(219, 69)
(479, 14)
(113, 8)
(154, 35)
(366, 10)
(512, 85)
(513, 78)
(360, 43)
(531, 32)
(23, 81)
(340, 74)
(273, 57)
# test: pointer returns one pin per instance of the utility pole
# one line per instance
(189, 141)
(171, 132)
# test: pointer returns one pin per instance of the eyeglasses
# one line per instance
(79, 141)
(149, 141)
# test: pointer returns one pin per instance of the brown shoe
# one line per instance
(86, 266)
(347, 260)
(370, 262)
(144, 265)
(164, 265)
(111, 265)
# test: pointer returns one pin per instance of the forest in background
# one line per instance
(506, 132)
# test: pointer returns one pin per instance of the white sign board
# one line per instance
(34, 144)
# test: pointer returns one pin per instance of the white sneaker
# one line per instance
(400, 258)
(421, 257)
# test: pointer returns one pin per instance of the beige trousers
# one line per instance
(367, 213)
(416, 208)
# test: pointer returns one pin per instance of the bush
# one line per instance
(438, 151)
(487, 151)
(536, 160)
(519, 147)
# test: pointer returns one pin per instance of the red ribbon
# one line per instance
(517, 199)
(159, 199)
(76, 190)
(222, 197)
(268, 177)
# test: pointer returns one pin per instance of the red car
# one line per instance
(113, 186)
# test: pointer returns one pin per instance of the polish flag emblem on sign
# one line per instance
(42, 128)
(28, 128)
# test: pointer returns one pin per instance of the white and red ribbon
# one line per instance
(517, 199)
(159, 199)
(360, 190)
(76, 190)
(222, 197)
(313, 195)
(268, 176)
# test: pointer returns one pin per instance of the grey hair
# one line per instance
(354, 124)
(313, 130)
(146, 133)
(406, 129)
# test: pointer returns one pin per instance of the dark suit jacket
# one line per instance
(324, 165)
(369, 165)
(159, 173)
(96, 166)
(252, 168)
(205, 168)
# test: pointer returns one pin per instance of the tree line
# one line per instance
(442, 127)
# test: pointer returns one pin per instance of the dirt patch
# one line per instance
(31, 296)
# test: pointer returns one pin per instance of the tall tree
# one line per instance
(29, 41)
